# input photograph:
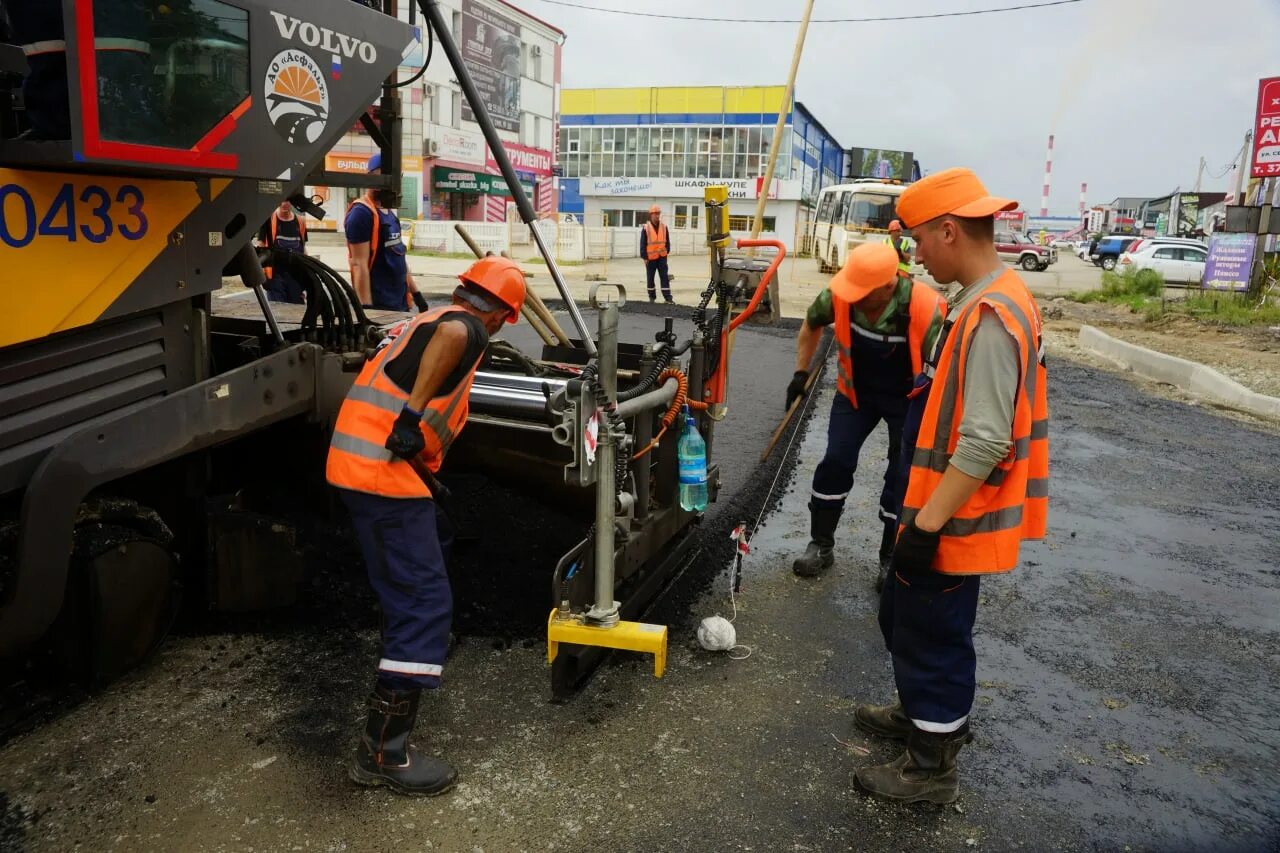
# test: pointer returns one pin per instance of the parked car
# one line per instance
(1109, 250)
(1059, 243)
(1143, 242)
(1179, 264)
(1022, 250)
(1082, 249)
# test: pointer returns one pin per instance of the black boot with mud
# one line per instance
(818, 556)
(385, 757)
(889, 721)
(924, 773)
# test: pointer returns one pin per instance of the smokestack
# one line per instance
(1048, 175)
(1084, 189)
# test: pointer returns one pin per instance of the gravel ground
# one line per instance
(1127, 674)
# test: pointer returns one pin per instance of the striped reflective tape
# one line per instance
(410, 667)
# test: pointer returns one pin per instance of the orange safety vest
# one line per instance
(358, 459)
(925, 301)
(655, 241)
(275, 227)
(984, 535)
(374, 240)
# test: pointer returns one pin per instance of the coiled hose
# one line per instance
(678, 402)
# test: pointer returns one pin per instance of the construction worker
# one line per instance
(377, 255)
(902, 246)
(655, 245)
(284, 232)
(406, 407)
(976, 443)
(885, 325)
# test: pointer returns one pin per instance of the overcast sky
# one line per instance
(1135, 90)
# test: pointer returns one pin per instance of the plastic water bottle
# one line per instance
(692, 453)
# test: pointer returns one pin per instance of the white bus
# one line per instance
(850, 214)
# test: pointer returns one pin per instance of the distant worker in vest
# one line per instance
(976, 446)
(284, 232)
(377, 255)
(885, 326)
(655, 245)
(406, 407)
(901, 245)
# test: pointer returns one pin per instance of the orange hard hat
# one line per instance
(501, 278)
(954, 191)
(870, 266)
(895, 225)
(655, 209)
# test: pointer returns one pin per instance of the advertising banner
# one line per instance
(1230, 262)
(535, 161)
(880, 163)
(1188, 213)
(739, 188)
(491, 51)
(1266, 130)
(461, 146)
(446, 180)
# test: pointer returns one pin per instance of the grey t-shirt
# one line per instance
(992, 373)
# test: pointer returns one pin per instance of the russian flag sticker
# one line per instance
(337, 67)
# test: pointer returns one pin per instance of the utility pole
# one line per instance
(778, 129)
(1239, 184)
(1200, 174)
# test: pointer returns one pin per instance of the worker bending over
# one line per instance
(379, 266)
(409, 403)
(976, 443)
(284, 232)
(885, 326)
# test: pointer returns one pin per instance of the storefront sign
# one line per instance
(461, 146)
(445, 180)
(491, 50)
(1230, 261)
(356, 164)
(535, 161)
(1266, 130)
(739, 188)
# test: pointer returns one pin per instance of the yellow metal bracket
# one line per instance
(628, 636)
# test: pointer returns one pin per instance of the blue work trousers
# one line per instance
(658, 266)
(404, 551)
(927, 623)
(847, 429)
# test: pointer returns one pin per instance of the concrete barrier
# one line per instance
(1188, 375)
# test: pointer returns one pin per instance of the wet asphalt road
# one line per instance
(1128, 674)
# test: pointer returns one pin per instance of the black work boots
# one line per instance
(384, 756)
(925, 772)
(818, 556)
(889, 721)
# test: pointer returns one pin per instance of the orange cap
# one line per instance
(954, 191)
(655, 209)
(895, 225)
(501, 278)
(870, 266)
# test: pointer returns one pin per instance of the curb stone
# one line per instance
(1179, 372)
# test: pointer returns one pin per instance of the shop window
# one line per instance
(743, 223)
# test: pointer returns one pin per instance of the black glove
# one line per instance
(796, 389)
(913, 554)
(420, 301)
(406, 439)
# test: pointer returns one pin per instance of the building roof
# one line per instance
(1129, 202)
(809, 115)
(513, 7)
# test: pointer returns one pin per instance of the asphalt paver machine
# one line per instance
(135, 415)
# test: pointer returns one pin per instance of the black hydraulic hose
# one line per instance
(426, 63)
(342, 307)
(661, 362)
(331, 274)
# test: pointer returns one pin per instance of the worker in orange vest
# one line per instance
(976, 443)
(406, 407)
(900, 245)
(885, 325)
(655, 245)
(376, 253)
(284, 232)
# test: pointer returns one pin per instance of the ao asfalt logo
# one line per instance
(297, 97)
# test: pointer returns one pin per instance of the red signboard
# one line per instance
(1010, 215)
(1266, 130)
(535, 161)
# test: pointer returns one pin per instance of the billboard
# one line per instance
(881, 163)
(491, 50)
(1230, 262)
(1266, 130)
